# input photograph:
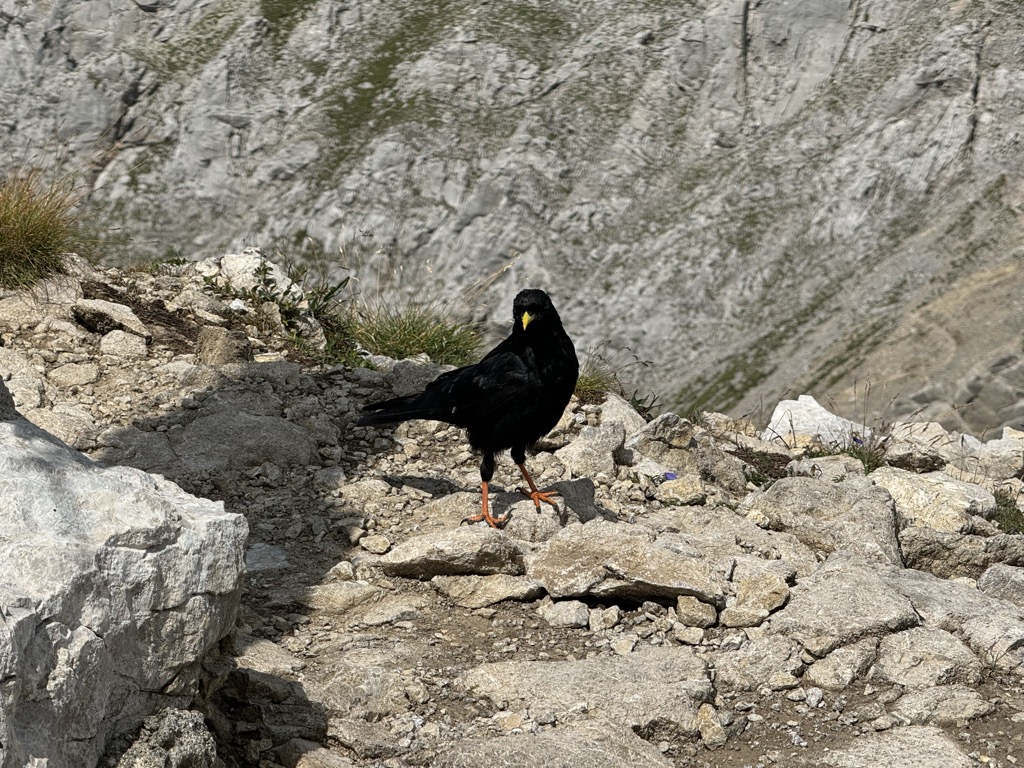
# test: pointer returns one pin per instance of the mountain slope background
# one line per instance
(760, 198)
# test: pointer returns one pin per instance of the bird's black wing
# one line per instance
(465, 396)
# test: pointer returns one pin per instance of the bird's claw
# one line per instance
(538, 496)
(494, 522)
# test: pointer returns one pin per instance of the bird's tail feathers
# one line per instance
(395, 410)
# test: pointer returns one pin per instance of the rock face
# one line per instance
(115, 584)
(799, 609)
(666, 161)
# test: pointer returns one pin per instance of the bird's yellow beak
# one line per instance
(526, 319)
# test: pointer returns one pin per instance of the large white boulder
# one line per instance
(113, 584)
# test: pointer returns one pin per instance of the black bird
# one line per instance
(510, 399)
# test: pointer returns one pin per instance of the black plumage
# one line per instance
(510, 399)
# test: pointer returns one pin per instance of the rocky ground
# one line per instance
(703, 596)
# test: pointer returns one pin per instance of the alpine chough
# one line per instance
(510, 399)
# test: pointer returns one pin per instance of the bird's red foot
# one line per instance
(494, 522)
(485, 512)
(539, 496)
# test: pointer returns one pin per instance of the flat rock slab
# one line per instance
(481, 591)
(942, 705)
(589, 744)
(611, 560)
(935, 499)
(923, 657)
(657, 693)
(910, 747)
(843, 601)
(853, 515)
(455, 552)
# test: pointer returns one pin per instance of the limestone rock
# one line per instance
(911, 747)
(655, 693)
(615, 410)
(804, 421)
(586, 744)
(592, 453)
(614, 559)
(935, 499)
(481, 591)
(844, 665)
(565, 613)
(949, 555)
(218, 346)
(1004, 582)
(770, 661)
(831, 516)
(461, 551)
(942, 705)
(174, 738)
(842, 602)
(924, 657)
(123, 344)
(102, 317)
(115, 582)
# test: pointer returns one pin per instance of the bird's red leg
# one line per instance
(537, 496)
(485, 512)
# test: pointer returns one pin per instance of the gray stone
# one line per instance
(942, 705)
(843, 601)
(843, 666)
(456, 552)
(338, 596)
(924, 657)
(117, 582)
(228, 439)
(604, 618)
(376, 544)
(688, 489)
(565, 613)
(615, 410)
(831, 469)
(711, 731)
(770, 661)
(992, 629)
(593, 452)
(827, 516)
(7, 409)
(668, 440)
(265, 557)
(657, 693)
(804, 421)
(949, 555)
(617, 560)
(481, 591)
(910, 747)
(74, 375)
(174, 738)
(694, 613)
(934, 500)
(102, 317)
(762, 584)
(123, 344)
(588, 744)
(219, 346)
(1005, 582)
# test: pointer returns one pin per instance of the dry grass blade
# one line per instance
(37, 226)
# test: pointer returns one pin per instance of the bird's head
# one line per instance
(532, 309)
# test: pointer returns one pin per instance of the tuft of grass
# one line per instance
(597, 378)
(37, 226)
(1008, 515)
(405, 332)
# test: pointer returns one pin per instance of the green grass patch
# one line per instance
(1008, 515)
(409, 331)
(38, 224)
